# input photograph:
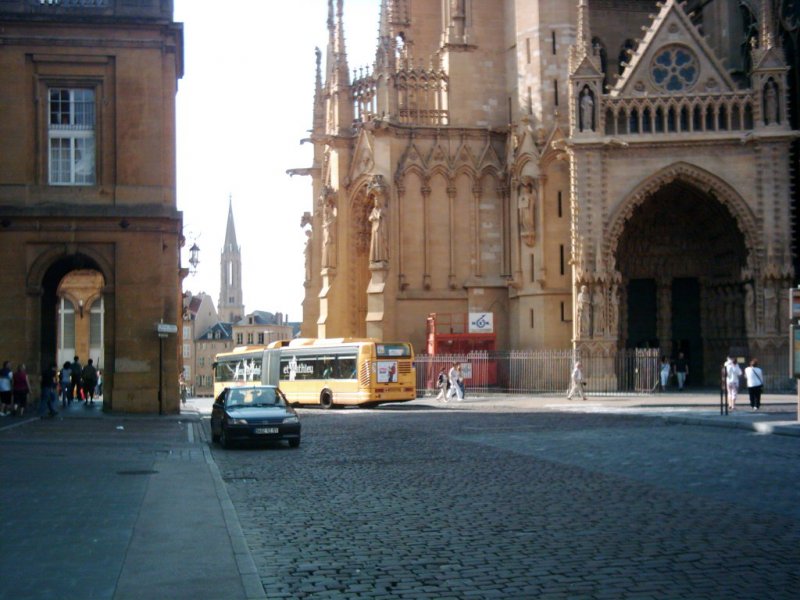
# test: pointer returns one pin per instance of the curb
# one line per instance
(244, 560)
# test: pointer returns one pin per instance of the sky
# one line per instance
(244, 103)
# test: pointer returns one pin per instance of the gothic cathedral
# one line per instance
(596, 174)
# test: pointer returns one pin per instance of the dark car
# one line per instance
(256, 413)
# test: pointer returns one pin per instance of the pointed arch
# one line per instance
(698, 177)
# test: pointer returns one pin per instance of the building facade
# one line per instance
(596, 174)
(90, 234)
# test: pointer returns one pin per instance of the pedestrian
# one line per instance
(64, 379)
(75, 380)
(89, 382)
(22, 387)
(664, 371)
(681, 370)
(454, 389)
(98, 391)
(443, 385)
(732, 374)
(755, 383)
(576, 382)
(47, 404)
(6, 384)
(460, 381)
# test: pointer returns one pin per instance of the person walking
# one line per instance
(732, 374)
(681, 370)
(47, 404)
(755, 384)
(64, 379)
(6, 384)
(22, 387)
(89, 382)
(664, 372)
(442, 384)
(576, 382)
(462, 386)
(75, 380)
(455, 389)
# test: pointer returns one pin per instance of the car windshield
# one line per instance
(254, 397)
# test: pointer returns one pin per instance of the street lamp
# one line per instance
(194, 259)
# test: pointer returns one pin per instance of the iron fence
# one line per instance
(629, 371)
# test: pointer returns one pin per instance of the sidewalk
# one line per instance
(117, 507)
(778, 413)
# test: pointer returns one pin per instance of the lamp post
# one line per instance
(194, 257)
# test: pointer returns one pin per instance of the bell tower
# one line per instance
(231, 306)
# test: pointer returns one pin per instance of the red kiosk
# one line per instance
(462, 334)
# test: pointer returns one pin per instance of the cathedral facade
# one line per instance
(596, 174)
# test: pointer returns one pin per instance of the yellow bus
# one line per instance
(325, 372)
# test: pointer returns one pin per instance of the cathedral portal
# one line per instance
(681, 257)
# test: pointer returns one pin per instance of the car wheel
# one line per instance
(294, 443)
(223, 438)
(326, 400)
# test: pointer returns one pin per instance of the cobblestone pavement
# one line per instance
(421, 501)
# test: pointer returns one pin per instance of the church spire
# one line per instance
(230, 230)
(231, 307)
(319, 97)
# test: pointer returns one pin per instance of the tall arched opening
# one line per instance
(73, 311)
(681, 255)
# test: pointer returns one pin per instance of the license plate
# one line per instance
(266, 430)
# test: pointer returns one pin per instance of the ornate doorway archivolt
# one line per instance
(703, 182)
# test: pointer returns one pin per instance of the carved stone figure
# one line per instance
(613, 313)
(526, 205)
(586, 111)
(770, 308)
(599, 311)
(328, 233)
(770, 103)
(749, 309)
(584, 312)
(307, 254)
(378, 247)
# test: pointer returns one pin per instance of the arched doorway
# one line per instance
(681, 255)
(73, 311)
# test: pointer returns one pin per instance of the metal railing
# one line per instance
(545, 371)
(629, 371)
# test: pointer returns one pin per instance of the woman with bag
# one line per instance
(755, 383)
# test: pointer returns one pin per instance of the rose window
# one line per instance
(674, 69)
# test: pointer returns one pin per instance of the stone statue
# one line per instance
(586, 111)
(378, 247)
(584, 312)
(599, 311)
(328, 232)
(307, 254)
(749, 309)
(613, 313)
(526, 205)
(770, 309)
(770, 103)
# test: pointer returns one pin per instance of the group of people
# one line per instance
(754, 378)
(451, 383)
(680, 368)
(73, 381)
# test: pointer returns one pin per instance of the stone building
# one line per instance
(598, 174)
(90, 234)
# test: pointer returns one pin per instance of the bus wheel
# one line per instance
(326, 400)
